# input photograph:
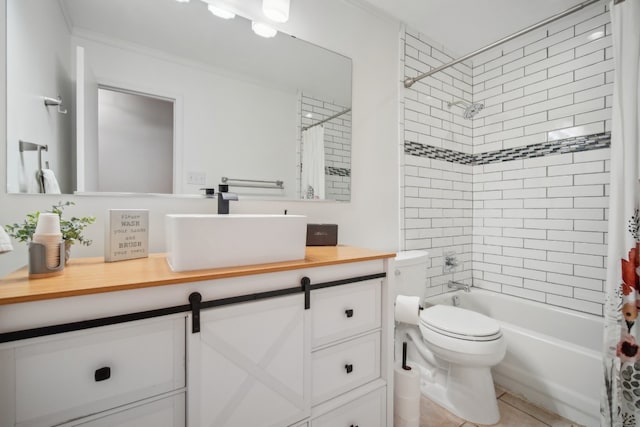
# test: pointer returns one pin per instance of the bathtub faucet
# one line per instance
(457, 285)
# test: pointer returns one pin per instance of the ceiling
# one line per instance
(463, 26)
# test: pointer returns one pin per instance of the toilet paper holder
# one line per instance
(404, 357)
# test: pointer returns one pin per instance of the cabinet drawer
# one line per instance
(167, 412)
(342, 311)
(76, 374)
(366, 411)
(343, 367)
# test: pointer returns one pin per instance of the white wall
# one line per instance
(550, 84)
(370, 219)
(40, 63)
(540, 223)
(436, 208)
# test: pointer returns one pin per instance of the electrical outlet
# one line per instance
(196, 178)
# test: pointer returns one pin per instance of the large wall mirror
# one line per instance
(160, 96)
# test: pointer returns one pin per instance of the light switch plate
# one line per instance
(196, 178)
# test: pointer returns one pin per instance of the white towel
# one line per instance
(5, 242)
(50, 182)
(313, 163)
(34, 184)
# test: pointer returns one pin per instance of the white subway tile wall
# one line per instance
(337, 140)
(438, 211)
(550, 86)
(436, 199)
(557, 229)
(530, 227)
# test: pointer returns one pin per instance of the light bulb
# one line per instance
(276, 10)
(221, 12)
(263, 30)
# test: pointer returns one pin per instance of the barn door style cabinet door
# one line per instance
(249, 364)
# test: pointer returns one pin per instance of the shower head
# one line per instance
(470, 110)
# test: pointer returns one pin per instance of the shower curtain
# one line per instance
(621, 389)
(313, 163)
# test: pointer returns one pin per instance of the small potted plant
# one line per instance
(71, 229)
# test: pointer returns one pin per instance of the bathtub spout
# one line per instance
(426, 354)
(458, 285)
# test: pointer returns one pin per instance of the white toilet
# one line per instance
(455, 348)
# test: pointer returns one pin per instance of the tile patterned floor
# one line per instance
(514, 412)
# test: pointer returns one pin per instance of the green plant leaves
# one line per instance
(71, 229)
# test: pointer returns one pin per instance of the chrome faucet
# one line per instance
(458, 285)
(223, 199)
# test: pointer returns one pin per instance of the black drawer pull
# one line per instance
(102, 374)
(349, 312)
(348, 368)
(354, 425)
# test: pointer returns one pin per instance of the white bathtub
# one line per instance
(554, 355)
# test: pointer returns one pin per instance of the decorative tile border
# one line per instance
(330, 170)
(561, 146)
(422, 150)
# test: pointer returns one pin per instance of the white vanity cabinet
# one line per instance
(308, 344)
(345, 311)
(347, 359)
(366, 411)
(66, 377)
(249, 364)
(281, 360)
(165, 412)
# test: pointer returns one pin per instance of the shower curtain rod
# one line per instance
(326, 120)
(411, 80)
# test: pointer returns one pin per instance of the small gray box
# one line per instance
(322, 234)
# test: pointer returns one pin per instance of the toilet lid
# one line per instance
(460, 323)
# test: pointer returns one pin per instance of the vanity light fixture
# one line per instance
(263, 30)
(276, 10)
(221, 12)
(182, 1)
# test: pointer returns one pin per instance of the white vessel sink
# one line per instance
(196, 242)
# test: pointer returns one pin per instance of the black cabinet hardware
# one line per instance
(349, 312)
(195, 299)
(102, 374)
(348, 368)
(305, 282)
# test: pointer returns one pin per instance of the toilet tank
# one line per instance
(410, 273)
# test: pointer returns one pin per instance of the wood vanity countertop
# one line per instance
(84, 276)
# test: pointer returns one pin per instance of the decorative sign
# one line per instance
(127, 234)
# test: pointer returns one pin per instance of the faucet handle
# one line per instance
(208, 192)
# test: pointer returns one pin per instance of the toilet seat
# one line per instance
(459, 323)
